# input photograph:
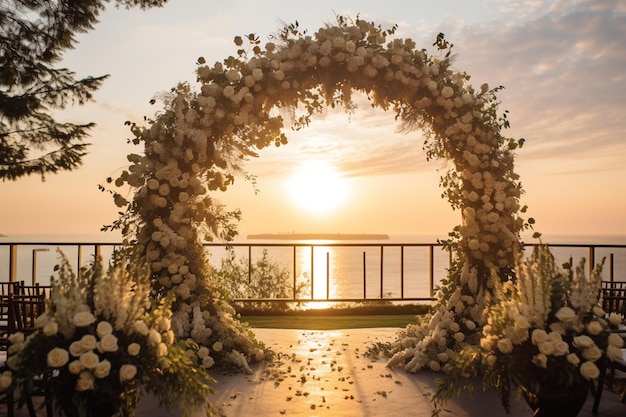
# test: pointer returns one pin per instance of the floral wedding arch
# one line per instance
(200, 139)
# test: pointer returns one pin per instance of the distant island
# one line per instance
(319, 236)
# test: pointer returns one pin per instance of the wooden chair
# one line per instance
(6, 289)
(23, 313)
(613, 296)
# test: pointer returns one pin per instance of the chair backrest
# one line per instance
(23, 311)
(35, 290)
(614, 297)
(10, 287)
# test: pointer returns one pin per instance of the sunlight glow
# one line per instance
(317, 187)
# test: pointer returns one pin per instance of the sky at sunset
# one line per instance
(562, 64)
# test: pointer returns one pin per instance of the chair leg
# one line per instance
(599, 388)
(10, 404)
(598, 395)
(31, 407)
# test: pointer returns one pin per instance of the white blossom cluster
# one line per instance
(445, 333)
(570, 330)
(99, 337)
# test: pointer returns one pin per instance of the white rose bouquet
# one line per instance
(545, 331)
(103, 342)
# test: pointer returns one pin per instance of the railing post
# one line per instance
(12, 263)
(432, 270)
(364, 277)
(295, 283)
(592, 259)
(249, 264)
(402, 272)
(80, 259)
(611, 265)
(381, 272)
(312, 274)
(327, 276)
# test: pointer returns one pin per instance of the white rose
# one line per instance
(13, 349)
(233, 75)
(127, 372)
(88, 342)
(547, 348)
(169, 337)
(76, 349)
(51, 328)
(539, 336)
(85, 381)
(75, 367)
(165, 323)
(573, 359)
(447, 92)
(614, 353)
(561, 348)
(470, 325)
(154, 337)
(566, 315)
(454, 327)
(218, 346)
(161, 350)
(589, 371)
(203, 352)
(57, 357)
(459, 337)
(104, 328)
(434, 366)
(134, 349)
(89, 360)
(615, 319)
(594, 328)
(592, 353)
(583, 342)
(554, 337)
(108, 343)
(505, 345)
(259, 355)
(491, 360)
(208, 362)
(598, 311)
(141, 327)
(103, 369)
(615, 339)
(6, 379)
(16, 338)
(83, 319)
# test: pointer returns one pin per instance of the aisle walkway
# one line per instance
(325, 373)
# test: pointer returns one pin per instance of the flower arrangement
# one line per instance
(102, 343)
(198, 143)
(545, 330)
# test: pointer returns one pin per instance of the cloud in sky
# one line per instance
(561, 64)
(563, 73)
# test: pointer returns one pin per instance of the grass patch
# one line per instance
(328, 322)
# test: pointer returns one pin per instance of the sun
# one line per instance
(317, 187)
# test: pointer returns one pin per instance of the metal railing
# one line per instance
(593, 252)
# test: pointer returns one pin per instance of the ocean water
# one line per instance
(356, 269)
